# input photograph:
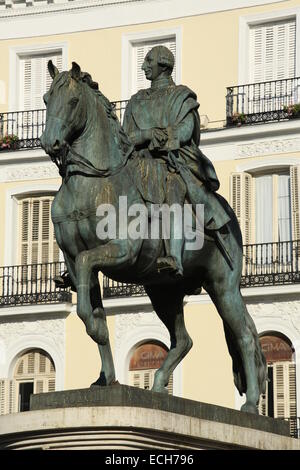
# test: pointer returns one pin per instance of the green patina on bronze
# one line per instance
(153, 158)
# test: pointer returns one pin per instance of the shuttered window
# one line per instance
(295, 196)
(144, 362)
(280, 399)
(37, 238)
(34, 367)
(140, 51)
(145, 378)
(272, 51)
(35, 79)
(267, 206)
(241, 202)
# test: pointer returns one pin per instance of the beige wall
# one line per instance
(209, 54)
(83, 364)
(207, 369)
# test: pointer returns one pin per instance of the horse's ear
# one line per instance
(75, 71)
(52, 69)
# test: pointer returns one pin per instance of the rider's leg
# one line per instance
(175, 194)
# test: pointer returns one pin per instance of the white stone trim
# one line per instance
(128, 41)
(271, 163)
(249, 20)
(249, 141)
(133, 329)
(11, 215)
(20, 333)
(16, 53)
(282, 325)
(71, 17)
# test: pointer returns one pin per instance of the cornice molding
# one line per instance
(77, 16)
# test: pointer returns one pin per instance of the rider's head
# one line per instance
(158, 61)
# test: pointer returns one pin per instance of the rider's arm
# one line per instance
(180, 134)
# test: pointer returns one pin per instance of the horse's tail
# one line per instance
(237, 364)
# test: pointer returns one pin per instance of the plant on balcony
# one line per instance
(292, 110)
(238, 119)
(9, 142)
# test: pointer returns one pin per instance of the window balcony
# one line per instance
(32, 284)
(21, 130)
(264, 264)
(254, 103)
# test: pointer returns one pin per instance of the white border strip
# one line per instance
(72, 19)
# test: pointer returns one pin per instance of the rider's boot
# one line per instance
(172, 262)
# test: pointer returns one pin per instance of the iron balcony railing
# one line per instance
(294, 423)
(262, 102)
(23, 129)
(32, 284)
(264, 264)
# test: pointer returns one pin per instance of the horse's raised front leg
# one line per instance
(242, 340)
(109, 255)
(168, 304)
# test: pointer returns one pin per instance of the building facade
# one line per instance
(242, 58)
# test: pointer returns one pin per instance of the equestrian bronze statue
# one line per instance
(152, 160)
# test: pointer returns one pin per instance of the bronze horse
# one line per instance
(86, 141)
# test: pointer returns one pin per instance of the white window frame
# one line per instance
(11, 216)
(130, 40)
(16, 54)
(245, 24)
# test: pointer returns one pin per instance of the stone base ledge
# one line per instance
(129, 428)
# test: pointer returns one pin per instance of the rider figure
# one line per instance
(163, 122)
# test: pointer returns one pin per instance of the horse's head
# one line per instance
(66, 110)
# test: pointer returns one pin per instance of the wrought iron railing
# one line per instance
(264, 264)
(262, 102)
(271, 264)
(32, 284)
(23, 129)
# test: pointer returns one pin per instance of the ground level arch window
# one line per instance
(34, 372)
(145, 360)
(280, 400)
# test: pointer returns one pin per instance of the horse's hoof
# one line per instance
(249, 408)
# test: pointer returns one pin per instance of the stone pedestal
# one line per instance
(122, 417)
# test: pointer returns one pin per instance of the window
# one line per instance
(34, 373)
(34, 78)
(279, 401)
(146, 359)
(267, 205)
(135, 46)
(272, 51)
(37, 242)
(139, 52)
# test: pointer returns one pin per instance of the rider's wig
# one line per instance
(164, 57)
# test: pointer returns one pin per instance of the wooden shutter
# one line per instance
(272, 51)
(145, 379)
(37, 238)
(8, 401)
(284, 374)
(295, 199)
(140, 51)
(35, 79)
(241, 192)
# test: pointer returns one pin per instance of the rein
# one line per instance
(78, 159)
